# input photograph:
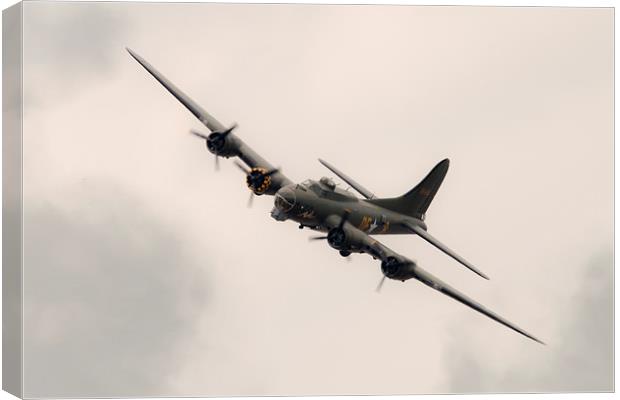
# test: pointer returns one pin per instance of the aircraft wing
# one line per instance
(428, 279)
(403, 269)
(432, 240)
(191, 105)
(242, 150)
(408, 269)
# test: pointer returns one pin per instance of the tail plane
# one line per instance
(416, 201)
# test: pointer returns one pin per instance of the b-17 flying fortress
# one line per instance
(349, 223)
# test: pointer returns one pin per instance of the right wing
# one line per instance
(244, 152)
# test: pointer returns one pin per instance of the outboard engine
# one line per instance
(219, 143)
(397, 269)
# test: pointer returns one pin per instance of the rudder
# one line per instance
(416, 201)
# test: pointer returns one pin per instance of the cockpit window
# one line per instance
(309, 184)
(283, 204)
(316, 188)
(328, 183)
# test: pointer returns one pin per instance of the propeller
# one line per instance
(335, 235)
(380, 285)
(215, 141)
(313, 238)
(199, 134)
(242, 167)
(257, 179)
(206, 139)
(390, 267)
(344, 218)
(245, 171)
(256, 174)
(346, 256)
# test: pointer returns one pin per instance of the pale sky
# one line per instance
(146, 274)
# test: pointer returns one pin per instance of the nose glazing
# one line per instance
(285, 199)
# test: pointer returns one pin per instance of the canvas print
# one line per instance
(296, 199)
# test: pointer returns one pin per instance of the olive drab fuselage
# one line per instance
(310, 204)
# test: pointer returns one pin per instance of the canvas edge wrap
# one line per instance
(12, 206)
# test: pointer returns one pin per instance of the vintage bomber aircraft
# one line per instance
(321, 205)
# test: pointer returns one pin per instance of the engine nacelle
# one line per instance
(391, 266)
(258, 180)
(222, 144)
(398, 269)
(346, 240)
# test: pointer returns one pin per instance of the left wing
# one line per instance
(398, 267)
(428, 279)
(239, 148)
(409, 269)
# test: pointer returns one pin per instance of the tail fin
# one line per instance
(416, 201)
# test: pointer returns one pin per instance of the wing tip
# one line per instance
(475, 270)
(525, 333)
(137, 57)
(534, 338)
(484, 275)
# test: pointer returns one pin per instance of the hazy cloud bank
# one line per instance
(69, 47)
(110, 294)
(579, 355)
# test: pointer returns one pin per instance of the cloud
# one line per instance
(69, 47)
(579, 357)
(383, 93)
(110, 293)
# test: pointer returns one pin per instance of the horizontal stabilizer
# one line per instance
(359, 188)
(432, 240)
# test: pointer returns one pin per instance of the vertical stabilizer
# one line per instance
(416, 201)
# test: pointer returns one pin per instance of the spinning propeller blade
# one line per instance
(380, 285)
(312, 238)
(199, 134)
(241, 167)
(273, 171)
(344, 218)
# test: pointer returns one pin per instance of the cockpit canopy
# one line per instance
(325, 188)
(285, 199)
(324, 184)
(328, 183)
